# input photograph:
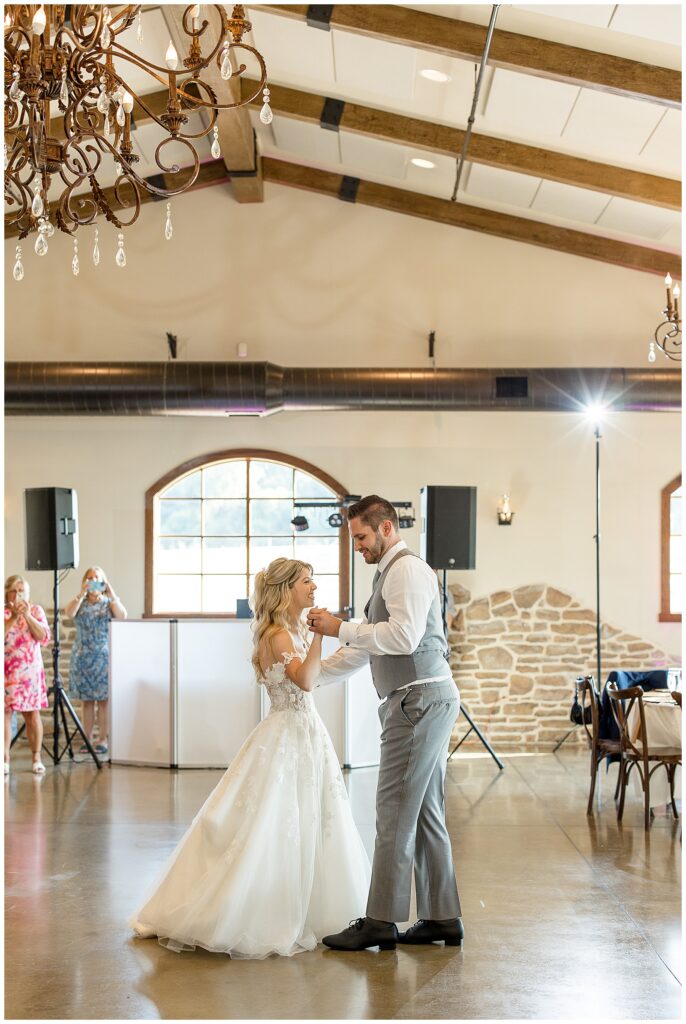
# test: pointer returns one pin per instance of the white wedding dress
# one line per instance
(273, 860)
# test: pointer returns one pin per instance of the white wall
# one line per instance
(309, 280)
(545, 461)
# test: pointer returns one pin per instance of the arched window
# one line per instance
(212, 523)
(672, 592)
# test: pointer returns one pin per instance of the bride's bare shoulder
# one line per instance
(275, 647)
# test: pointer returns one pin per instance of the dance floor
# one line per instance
(565, 917)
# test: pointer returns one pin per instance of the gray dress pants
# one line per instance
(416, 725)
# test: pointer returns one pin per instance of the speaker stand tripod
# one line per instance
(61, 705)
(473, 727)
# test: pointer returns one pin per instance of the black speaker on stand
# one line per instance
(52, 544)
(448, 541)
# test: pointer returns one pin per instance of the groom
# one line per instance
(402, 637)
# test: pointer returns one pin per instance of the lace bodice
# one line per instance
(285, 695)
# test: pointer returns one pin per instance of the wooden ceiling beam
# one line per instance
(509, 50)
(211, 173)
(236, 136)
(474, 218)
(483, 149)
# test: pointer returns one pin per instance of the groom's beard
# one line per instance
(375, 552)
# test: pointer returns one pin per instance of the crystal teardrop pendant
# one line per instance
(64, 91)
(41, 246)
(105, 38)
(103, 103)
(651, 353)
(215, 150)
(75, 260)
(226, 70)
(37, 205)
(15, 91)
(18, 271)
(108, 125)
(139, 30)
(120, 258)
(96, 250)
(121, 117)
(266, 116)
(168, 229)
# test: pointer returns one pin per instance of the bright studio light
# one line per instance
(419, 161)
(595, 413)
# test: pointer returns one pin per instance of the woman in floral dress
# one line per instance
(26, 631)
(91, 610)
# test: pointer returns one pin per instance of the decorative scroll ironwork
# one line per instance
(67, 54)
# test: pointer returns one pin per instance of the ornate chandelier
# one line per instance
(71, 57)
(668, 331)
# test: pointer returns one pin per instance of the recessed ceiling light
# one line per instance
(433, 75)
(418, 161)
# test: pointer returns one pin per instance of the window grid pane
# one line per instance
(219, 525)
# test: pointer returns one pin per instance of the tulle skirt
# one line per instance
(273, 860)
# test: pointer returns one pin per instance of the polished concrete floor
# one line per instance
(566, 916)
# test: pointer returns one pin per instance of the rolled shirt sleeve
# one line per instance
(341, 664)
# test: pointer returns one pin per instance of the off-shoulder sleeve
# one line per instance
(42, 620)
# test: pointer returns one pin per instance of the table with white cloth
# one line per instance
(663, 725)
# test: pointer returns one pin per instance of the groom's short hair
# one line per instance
(372, 510)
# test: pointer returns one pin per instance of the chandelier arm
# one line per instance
(174, 168)
(11, 49)
(668, 339)
(81, 14)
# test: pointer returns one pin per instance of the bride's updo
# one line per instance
(271, 600)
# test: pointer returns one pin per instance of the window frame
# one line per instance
(202, 461)
(666, 615)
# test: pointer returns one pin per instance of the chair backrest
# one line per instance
(588, 695)
(676, 695)
(621, 703)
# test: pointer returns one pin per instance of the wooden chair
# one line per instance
(639, 756)
(600, 748)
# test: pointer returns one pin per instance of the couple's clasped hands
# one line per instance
(321, 621)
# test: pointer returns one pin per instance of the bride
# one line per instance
(273, 860)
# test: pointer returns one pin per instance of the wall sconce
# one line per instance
(505, 513)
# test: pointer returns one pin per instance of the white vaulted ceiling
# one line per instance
(579, 121)
(583, 122)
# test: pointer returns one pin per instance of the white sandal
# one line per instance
(38, 768)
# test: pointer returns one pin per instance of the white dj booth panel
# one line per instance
(140, 692)
(183, 694)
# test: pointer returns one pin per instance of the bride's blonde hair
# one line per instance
(271, 601)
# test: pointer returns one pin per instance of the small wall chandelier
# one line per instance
(66, 55)
(505, 513)
(668, 332)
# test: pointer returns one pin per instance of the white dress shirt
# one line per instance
(408, 590)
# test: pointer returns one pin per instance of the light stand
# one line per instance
(473, 727)
(596, 538)
(61, 705)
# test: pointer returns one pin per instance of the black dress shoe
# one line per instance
(362, 933)
(424, 932)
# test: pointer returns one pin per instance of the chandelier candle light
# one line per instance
(668, 332)
(68, 110)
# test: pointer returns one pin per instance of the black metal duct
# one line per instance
(240, 388)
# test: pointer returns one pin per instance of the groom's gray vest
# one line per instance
(390, 671)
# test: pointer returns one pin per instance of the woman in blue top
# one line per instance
(91, 611)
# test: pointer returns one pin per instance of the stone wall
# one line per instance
(515, 655)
